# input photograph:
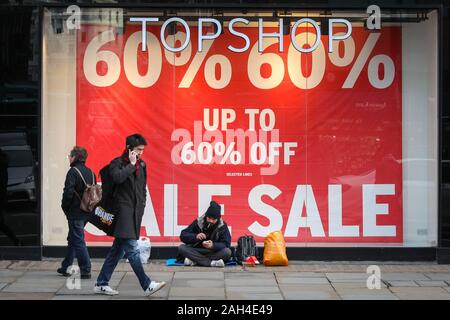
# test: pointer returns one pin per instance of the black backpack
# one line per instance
(246, 247)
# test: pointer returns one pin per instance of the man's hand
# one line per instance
(133, 157)
(207, 244)
(201, 236)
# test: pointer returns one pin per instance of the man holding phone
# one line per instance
(207, 240)
(129, 174)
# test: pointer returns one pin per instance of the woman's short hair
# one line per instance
(79, 153)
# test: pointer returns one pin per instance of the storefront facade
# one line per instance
(318, 119)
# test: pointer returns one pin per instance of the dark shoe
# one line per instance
(63, 272)
(85, 276)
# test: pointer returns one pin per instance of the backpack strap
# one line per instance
(84, 181)
(82, 178)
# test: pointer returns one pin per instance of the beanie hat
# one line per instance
(213, 210)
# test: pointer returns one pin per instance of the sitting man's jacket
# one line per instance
(220, 235)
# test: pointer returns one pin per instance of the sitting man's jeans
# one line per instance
(203, 256)
(123, 248)
(77, 247)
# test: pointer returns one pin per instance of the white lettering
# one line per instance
(304, 196)
(371, 209)
(257, 205)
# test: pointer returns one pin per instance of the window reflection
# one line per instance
(19, 218)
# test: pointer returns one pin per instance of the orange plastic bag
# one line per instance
(275, 250)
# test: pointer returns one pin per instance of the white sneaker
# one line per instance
(154, 286)
(188, 262)
(218, 263)
(105, 290)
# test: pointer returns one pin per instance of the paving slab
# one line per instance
(254, 296)
(438, 276)
(262, 268)
(293, 280)
(198, 275)
(9, 275)
(400, 283)
(81, 297)
(31, 287)
(255, 290)
(197, 283)
(354, 285)
(337, 276)
(356, 281)
(36, 280)
(404, 276)
(309, 292)
(431, 283)
(26, 296)
(421, 293)
(366, 294)
(161, 294)
(137, 293)
(300, 274)
(45, 265)
(251, 282)
(156, 276)
(41, 274)
(301, 280)
(195, 298)
(22, 265)
(120, 297)
(249, 275)
(197, 292)
(43, 277)
(294, 266)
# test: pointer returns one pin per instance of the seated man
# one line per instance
(207, 240)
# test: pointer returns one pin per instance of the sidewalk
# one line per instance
(300, 280)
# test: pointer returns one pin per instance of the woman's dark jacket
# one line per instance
(74, 185)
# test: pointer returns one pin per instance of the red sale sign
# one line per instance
(306, 143)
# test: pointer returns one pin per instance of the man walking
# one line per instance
(129, 174)
(76, 179)
(207, 240)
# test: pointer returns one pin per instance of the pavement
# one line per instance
(38, 280)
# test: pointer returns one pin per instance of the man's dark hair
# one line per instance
(135, 140)
(79, 153)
